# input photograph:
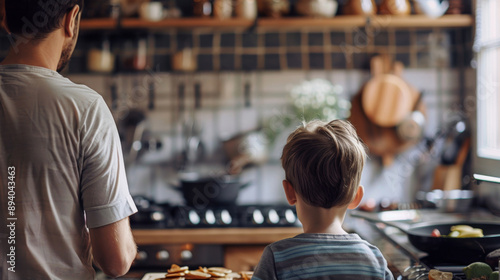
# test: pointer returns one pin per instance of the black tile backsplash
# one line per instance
(315, 39)
(272, 61)
(272, 39)
(249, 62)
(275, 50)
(381, 38)
(205, 62)
(294, 60)
(184, 40)
(227, 62)
(249, 40)
(402, 38)
(404, 58)
(316, 61)
(206, 40)
(293, 39)
(162, 40)
(228, 40)
(361, 60)
(338, 38)
(338, 61)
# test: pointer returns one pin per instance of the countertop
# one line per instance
(392, 242)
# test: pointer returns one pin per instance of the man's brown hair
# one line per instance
(323, 162)
(37, 18)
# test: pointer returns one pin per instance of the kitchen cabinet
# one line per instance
(338, 22)
(242, 246)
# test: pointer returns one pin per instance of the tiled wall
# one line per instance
(310, 49)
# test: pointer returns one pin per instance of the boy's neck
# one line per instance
(321, 220)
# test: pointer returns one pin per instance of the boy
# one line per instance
(323, 164)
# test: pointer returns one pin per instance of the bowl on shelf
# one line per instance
(317, 8)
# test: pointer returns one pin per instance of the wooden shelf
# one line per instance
(98, 24)
(342, 22)
(187, 23)
(338, 22)
(214, 235)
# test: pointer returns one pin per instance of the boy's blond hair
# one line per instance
(323, 162)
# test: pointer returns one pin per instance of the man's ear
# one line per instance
(70, 20)
(357, 198)
(291, 196)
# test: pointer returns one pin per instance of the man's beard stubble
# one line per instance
(68, 50)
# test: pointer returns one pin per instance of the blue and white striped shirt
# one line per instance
(322, 256)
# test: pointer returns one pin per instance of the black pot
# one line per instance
(213, 191)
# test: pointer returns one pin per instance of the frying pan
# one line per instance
(462, 250)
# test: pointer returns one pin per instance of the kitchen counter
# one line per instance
(241, 243)
(225, 236)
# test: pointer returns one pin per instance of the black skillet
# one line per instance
(454, 249)
(461, 250)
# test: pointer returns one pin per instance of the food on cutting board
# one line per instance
(460, 231)
(435, 274)
(478, 271)
(183, 273)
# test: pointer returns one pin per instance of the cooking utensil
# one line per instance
(412, 126)
(360, 7)
(462, 250)
(387, 98)
(381, 105)
(246, 148)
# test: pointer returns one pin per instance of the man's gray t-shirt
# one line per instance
(62, 142)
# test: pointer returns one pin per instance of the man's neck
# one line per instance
(45, 53)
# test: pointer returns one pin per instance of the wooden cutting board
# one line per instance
(380, 105)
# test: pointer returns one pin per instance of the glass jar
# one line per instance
(223, 9)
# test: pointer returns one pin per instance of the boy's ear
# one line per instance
(291, 196)
(357, 198)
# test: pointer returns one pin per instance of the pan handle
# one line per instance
(390, 218)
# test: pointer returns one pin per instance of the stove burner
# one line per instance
(156, 216)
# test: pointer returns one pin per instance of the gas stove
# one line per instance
(164, 216)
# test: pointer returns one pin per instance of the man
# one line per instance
(64, 195)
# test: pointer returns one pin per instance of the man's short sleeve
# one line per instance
(103, 186)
